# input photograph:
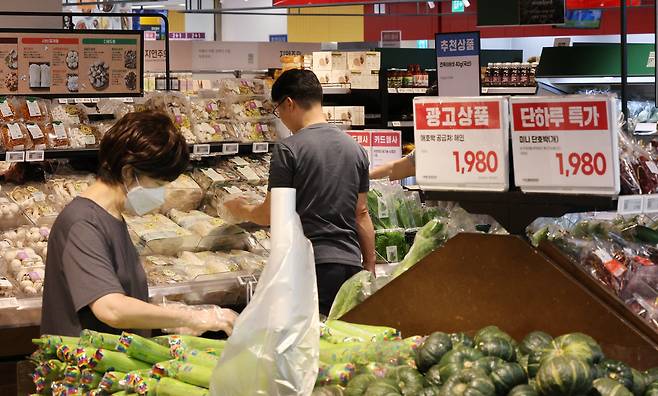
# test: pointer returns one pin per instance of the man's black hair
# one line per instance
(302, 86)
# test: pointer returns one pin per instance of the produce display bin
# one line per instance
(477, 280)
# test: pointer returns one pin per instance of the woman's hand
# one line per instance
(215, 319)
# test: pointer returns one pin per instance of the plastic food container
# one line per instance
(37, 134)
(33, 110)
(58, 135)
(15, 137)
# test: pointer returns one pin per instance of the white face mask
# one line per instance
(141, 200)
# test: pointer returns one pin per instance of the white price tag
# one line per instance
(5, 283)
(396, 124)
(60, 130)
(651, 62)
(201, 149)
(34, 156)
(95, 100)
(128, 100)
(239, 161)
(90, 140)
(62, 101)
(15, 131)
(485, 90)
(230, 148)
(630, 204)
(213, 175)
(5, 109)
(35, 131)
(392, 254)
(652, 167)
(405, 90)
(420, 90)
(79, 100)
(33, 108)
(260, 147)
(15, 156)
(392, 90)
(461, 143)
(566, 144)
(650, 203)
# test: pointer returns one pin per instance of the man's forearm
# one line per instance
(366, 234)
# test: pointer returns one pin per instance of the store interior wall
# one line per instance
(31, 6)
(252, 28)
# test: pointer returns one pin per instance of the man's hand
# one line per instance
(369, 266)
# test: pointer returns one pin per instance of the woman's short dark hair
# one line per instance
(302, 86)
(148, 142)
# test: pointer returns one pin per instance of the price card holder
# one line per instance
(392, 90)
(406, 90)
(565, 145)
(630, 204)
(462, 143)
(34, 156)
(396, 124)
(650, 203)
(420, 90)
(230, 148)
(201, 149)
(260, 147)
(15, 156)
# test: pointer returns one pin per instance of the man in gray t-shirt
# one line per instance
(329, 170)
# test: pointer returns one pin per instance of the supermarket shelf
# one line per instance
(336, 90)
(594, 80)
(417, 91)
(509, 90)
(400, 124)
(515, 210)
(213, 148)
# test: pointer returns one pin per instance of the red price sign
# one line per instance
(462, 143)
(575, 137)
(364, 139)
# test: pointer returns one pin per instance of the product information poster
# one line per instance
(566, 145)
(458, 63)
(386, 147)
(462, 143)
(60, 63)
(364, 139)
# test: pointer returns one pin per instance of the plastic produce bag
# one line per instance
(276, 339)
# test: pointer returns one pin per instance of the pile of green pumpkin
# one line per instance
(494, 364)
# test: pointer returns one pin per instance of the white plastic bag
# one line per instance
(274, 349)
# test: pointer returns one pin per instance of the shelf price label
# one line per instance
(462, 143)
(566, 144)
(230, 148)
(15, 156)
(260, 147)
(34, 156)
(201, 149)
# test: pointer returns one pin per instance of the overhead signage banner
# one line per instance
(458, 63)
(63, 63)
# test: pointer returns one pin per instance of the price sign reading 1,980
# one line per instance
(462, 143)
(566, 145)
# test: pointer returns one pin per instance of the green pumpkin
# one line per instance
(535, 340)
(488, 363)
(506, 376)
(564, 376)
(523, 390)
(609, 387)
(433, 376)
(461, 339)
(430, 391)
(377, 369)
(523, 361)
(358, 385)
(472, 382)
(334, 390)
(652, 375)
(534, 362)
(639, 382)
(576, 338)
(408, 380)
(382, 387)
(490, 332)
(652, 389)
(499, 347)
(617, 371)
(457, 360)
(432, 350)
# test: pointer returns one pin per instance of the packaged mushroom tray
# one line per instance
(214, 233)
(22, 257)
(157, 234)
(243, 87)
(218, 195)
(178, 108)
(39, 207)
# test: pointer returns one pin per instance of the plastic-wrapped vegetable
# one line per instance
(99, 340)
(429, 237)
(47, 372)
(354, 291)
(110, 382)
(392, 352)
(141, 348)
(105, 360)
(380, 212)
(390, 245)
(172, 387)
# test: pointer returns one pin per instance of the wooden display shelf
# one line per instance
(477, 280)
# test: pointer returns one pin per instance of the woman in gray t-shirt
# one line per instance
(94, 279)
